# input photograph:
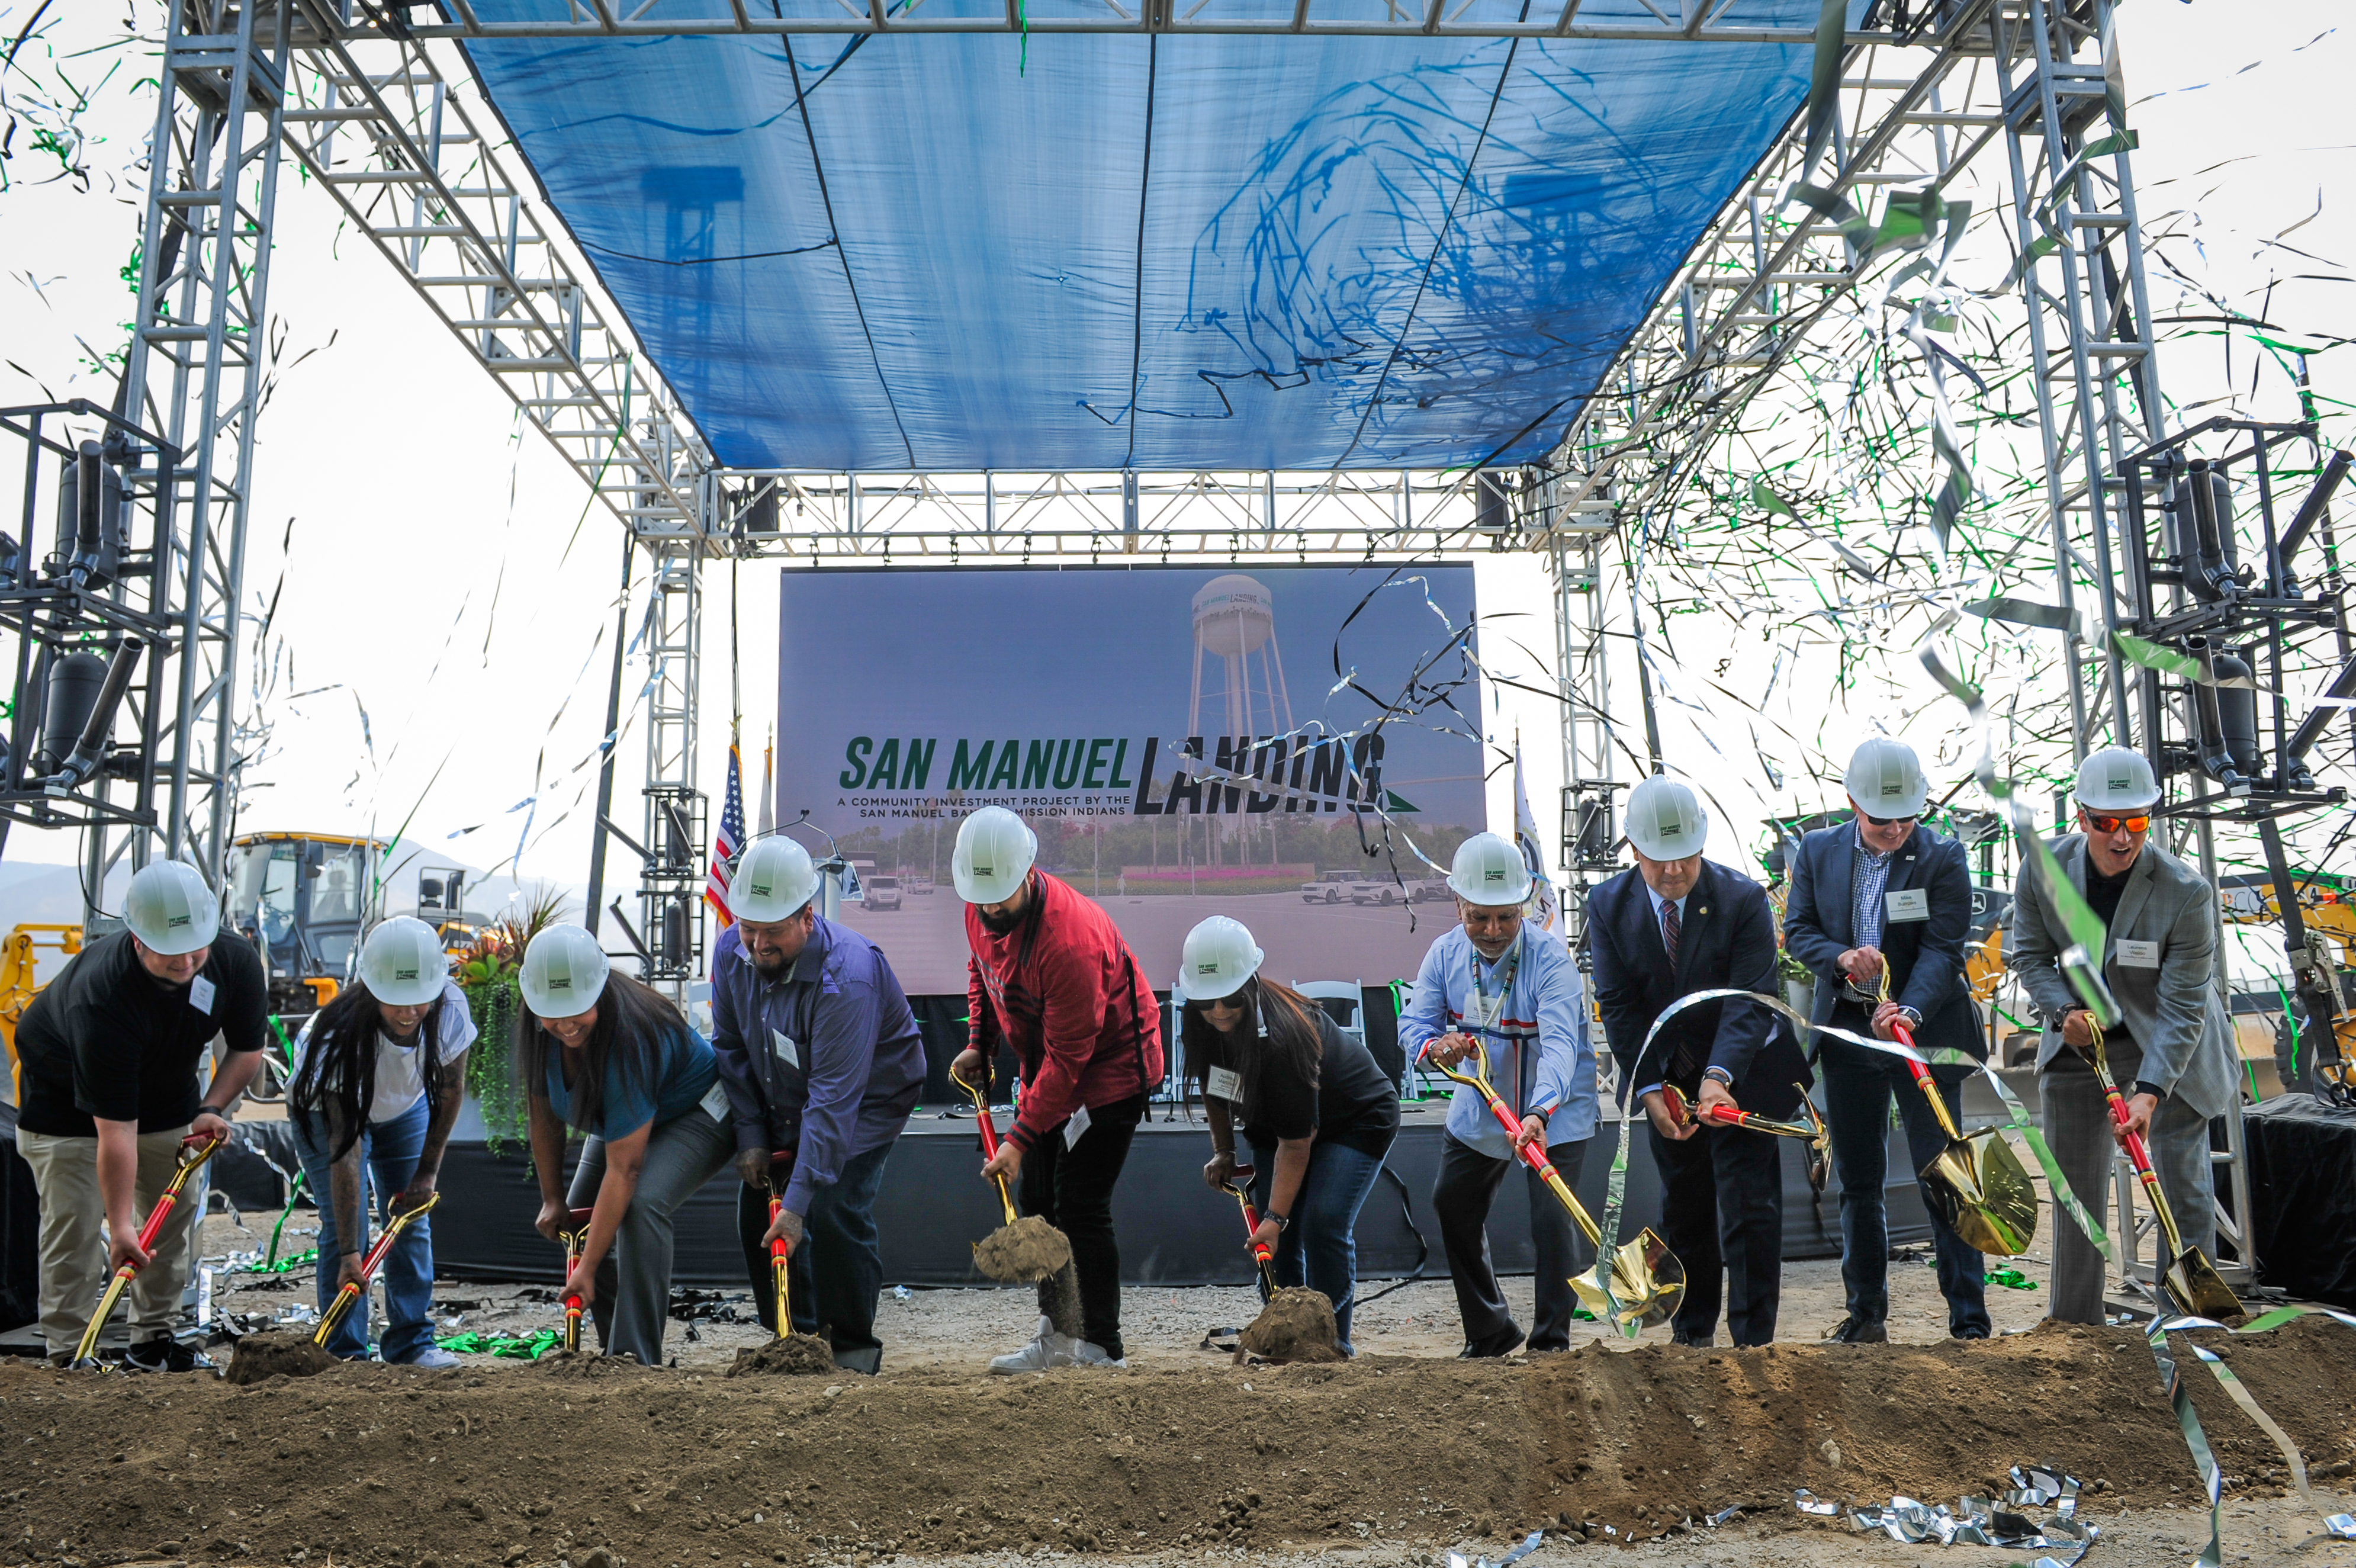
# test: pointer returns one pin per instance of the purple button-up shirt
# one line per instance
(825, 1061)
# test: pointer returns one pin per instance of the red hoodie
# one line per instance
(1064, 993)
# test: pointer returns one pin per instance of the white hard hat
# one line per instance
(993, 855)
(2116, 779)
(773, 881)
(1666, 820)
(564, 973)
(1489, 872)
(403, 963)
(1885, 779)
(169, 909)
(1219, 956)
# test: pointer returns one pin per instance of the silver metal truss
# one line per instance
(670, 890)
(2097, 382)
(1071, 517)
(1687, 21)
(1914, 112)
(410, 159)
(195, 376)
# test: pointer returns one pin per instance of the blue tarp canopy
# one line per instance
(1161, 252)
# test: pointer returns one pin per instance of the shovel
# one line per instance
(1979, 1191)
(777, 1259)
(354, 1290)
(1812, 1132)
(1266, 1258)
(1647, 1281)
(1005, 1236)
(574, 1240)
(2191, 1277)
(85, 1354)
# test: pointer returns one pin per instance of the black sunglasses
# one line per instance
(1892, 821)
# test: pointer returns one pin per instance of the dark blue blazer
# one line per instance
(1925, 957)
(1727, 939)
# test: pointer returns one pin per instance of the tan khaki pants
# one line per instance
(73, 1242)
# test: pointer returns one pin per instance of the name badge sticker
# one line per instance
(1227, 1083)
(200, 996)
(783, 1044)
(1907, 904)
(2139, 955)
(1076, 1128)
(715, 1101)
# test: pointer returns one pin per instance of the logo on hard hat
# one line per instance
(1893, 789)
(558, 983)
(1497, 875)
(1209, 966)
(171, 921)
(982, 870)
(2121, 781)
(409, 973)
(761, 888)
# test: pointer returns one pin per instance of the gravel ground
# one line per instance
(954, 1329)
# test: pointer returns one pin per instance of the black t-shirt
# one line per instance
(2103, 892)
(108, 1039)
(1354, 1104)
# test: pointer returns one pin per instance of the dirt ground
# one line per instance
(553, 1464)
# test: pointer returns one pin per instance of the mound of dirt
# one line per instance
(1030, 1249)
(1297, 1325)
(797, 1355)
(662, 1467)
(275, 1353)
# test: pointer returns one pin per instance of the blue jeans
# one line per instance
(836, 1272)
(1318, 1247)
(1859, 1084)
(388, 1153)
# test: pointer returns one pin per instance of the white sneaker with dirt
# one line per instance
(1086, 1354)
(1047, 1349)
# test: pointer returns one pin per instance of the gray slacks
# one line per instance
(633, 1303)
(2078, 1124)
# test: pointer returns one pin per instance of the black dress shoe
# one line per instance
(1503, 1342)
(1968, 1334)
(1849, 1331)
(1697, 1341)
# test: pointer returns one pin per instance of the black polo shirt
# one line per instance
(107, 1039)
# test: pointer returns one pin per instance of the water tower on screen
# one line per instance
(1235, 624)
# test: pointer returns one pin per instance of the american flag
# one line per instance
(726, 842)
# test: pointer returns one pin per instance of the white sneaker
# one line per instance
(1046, 1349)
(1086, 1354)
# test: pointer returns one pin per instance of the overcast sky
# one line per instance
(449, 590)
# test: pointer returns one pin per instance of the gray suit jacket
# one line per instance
(2172, 1011)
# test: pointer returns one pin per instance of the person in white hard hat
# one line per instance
(1883, 891)
(378, 1076)
(1316, 1109)
(822, 1061)
(1052, 980)
(107, 1093)
(613, 1060)
(2171, 1051)
(1491, 980)
(1674, 924)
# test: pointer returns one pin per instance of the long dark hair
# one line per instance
(339, 1065)
(1292, 1043)
(632, 1018)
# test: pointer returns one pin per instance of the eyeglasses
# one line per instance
(2115, 824)
(1893, 822)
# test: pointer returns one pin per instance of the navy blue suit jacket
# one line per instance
(1727, 939)
(1925, 957)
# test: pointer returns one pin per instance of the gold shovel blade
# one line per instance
(1648, 1283)
(2200, 1290)
(1983, 1195)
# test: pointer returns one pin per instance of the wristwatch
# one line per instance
(1913, 1019)
(1282, 1224)
(220, 1111)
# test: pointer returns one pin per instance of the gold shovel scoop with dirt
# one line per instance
(1646, 1283)
(1976, 1184)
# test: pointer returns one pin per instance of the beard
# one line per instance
(999, 924)
(772, 966)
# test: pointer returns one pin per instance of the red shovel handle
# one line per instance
(2120, 1116)
(1251, 1214)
